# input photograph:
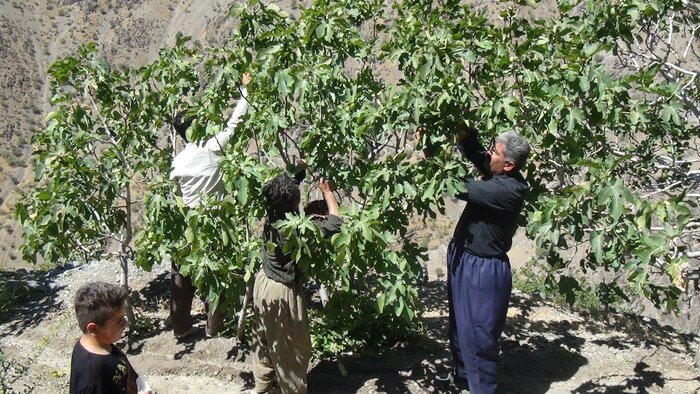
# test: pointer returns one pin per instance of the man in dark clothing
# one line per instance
(479, 280)
(282, 342)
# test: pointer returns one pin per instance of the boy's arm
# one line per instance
(332, 223)
(327, 188)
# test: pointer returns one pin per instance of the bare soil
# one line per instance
(545, 349)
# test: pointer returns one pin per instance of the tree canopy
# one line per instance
(605, 91)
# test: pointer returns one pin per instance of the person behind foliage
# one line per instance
(197, 170)
(282, 342)
(97, 365)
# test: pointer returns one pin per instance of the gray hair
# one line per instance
(516, 148)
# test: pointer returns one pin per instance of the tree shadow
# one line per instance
(433, 295)
(413, 366)
(239, 352)
(537, 353)
(154, 294)
(639, 383)
(37, 298)
(148, 301)
(188, 344)
(387, 371)
(638, 331)
(248, 379)
(409, 366)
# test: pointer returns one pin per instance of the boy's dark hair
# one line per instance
(181, 123)
(281, 194)
(95, 302)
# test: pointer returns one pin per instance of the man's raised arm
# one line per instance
(468, 143)
(221, 139)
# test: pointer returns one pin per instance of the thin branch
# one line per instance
(667, 188)
(288, 137)
(670, 27)
(690, 41)
(674, 161)
(112, 140)
(113, 238)
(656, 59)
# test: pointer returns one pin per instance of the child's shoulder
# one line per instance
(81, 350)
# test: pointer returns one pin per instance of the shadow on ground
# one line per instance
(34, 298)
(535, 353)
(149, 298)
(418, 362)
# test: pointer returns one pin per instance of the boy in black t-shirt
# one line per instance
(97, 365)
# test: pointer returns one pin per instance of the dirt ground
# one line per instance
(545, 349)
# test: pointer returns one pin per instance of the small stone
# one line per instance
(34, 285)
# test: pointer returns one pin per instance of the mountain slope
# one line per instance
(33, 35)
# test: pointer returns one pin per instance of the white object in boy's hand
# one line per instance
(142, 386)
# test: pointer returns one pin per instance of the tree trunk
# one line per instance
(124, 257)
(124, 282)
(241, 316)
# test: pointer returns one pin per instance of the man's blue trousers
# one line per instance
(478, 291)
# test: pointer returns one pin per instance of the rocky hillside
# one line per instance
(34, 34)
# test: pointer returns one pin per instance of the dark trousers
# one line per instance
(181, 296)
(478, 290)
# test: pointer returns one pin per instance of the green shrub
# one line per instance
(12, 293)
(532, 280)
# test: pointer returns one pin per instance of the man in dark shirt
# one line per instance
(479, 281)
(282, 342)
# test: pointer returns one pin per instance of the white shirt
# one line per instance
(197, 168)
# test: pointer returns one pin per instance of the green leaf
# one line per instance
(399, 306)
(510, 107)
(340, 240)
(597, 246)
(242, 190)
(189, 235)
(568, 286)
(284, 83)
(584, 84)
(381, 301)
